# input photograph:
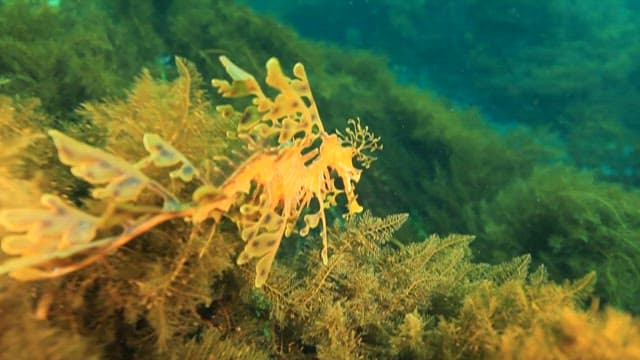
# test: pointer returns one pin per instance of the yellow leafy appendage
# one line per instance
(288, 176)
(294, 162)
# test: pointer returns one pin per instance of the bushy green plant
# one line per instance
(572, 223)
(172, 290)
(175, 291)
(66, 55)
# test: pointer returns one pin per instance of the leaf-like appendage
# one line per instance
(56, 227)
(242, 84)
(163, 154)
(124, 181)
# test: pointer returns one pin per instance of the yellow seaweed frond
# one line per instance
(379, 230)
(19, 125)
(410, 337)
(567, 333)
(177, 111)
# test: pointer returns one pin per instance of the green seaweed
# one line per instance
(570, 222)
(67, 55)
(385, 292)
(174, 291)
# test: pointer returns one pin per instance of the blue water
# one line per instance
(554, 65)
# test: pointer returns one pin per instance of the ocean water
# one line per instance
(558, 65)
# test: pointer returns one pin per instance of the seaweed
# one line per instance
(211, 180)
(67, 55)
(571, 222)
(163, 286)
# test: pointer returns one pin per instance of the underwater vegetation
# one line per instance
(68, 54)
(461, 168)
(570, 222)
(137, 222)
(290, 164)
(150, 271)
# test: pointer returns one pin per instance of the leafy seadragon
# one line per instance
(293, 163)
(290, 176)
